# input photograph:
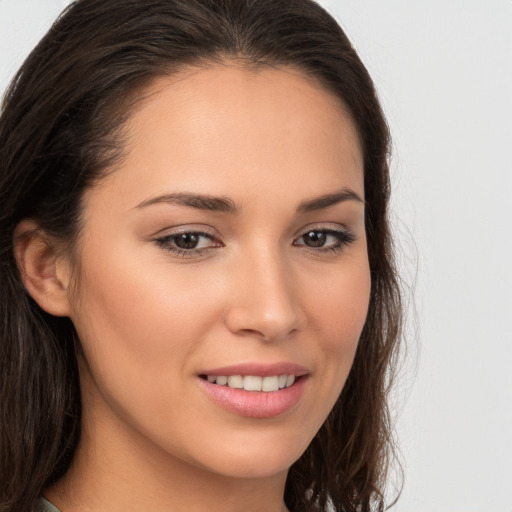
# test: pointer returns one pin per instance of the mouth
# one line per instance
(256, 390)
(267, 384)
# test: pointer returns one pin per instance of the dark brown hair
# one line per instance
(60, 129)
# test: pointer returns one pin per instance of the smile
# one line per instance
(256, 390)
(266, 384)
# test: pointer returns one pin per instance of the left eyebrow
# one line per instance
(327, 200)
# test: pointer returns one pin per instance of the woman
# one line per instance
(200, 309)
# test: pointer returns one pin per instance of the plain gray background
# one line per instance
(444, 73)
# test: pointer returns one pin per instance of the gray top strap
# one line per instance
(45, 506)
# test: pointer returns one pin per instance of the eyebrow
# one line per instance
(222, 204)
(327, 200)
(199, 201)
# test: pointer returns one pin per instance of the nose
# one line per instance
(264, 302)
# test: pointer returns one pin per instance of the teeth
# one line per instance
(270, 384)
(236, 381)
(253, 383)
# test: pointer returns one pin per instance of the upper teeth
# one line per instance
(252, 382)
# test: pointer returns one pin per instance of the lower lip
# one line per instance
(256, 404)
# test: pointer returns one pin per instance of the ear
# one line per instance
(45, 272)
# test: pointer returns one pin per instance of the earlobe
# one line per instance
(44, 271)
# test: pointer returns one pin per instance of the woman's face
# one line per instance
(229, 244)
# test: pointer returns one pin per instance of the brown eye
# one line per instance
(186, 240)
(315, 238)
(325, 240)
(188, 243)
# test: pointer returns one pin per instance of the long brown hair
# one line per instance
(61, 128)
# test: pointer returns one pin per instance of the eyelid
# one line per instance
(185, 228)
(164, 240)
(332, 227)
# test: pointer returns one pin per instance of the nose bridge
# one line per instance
(265, 300)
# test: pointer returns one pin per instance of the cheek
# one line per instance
(142, 311)
(141, 325)
(337, 315)
(340, 306)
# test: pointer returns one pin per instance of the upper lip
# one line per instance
(258, 369)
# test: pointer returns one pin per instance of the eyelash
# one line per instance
(344, 238)
(166, 241)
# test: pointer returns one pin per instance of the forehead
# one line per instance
(208, 128)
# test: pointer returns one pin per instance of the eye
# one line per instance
(187, 243)
(325, 240)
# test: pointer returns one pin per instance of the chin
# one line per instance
(255, 458)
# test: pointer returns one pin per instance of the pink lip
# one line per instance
(255, 404)
(258, 370)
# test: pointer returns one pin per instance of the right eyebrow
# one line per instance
(200, 201)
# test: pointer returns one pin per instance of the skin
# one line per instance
(149, 320)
